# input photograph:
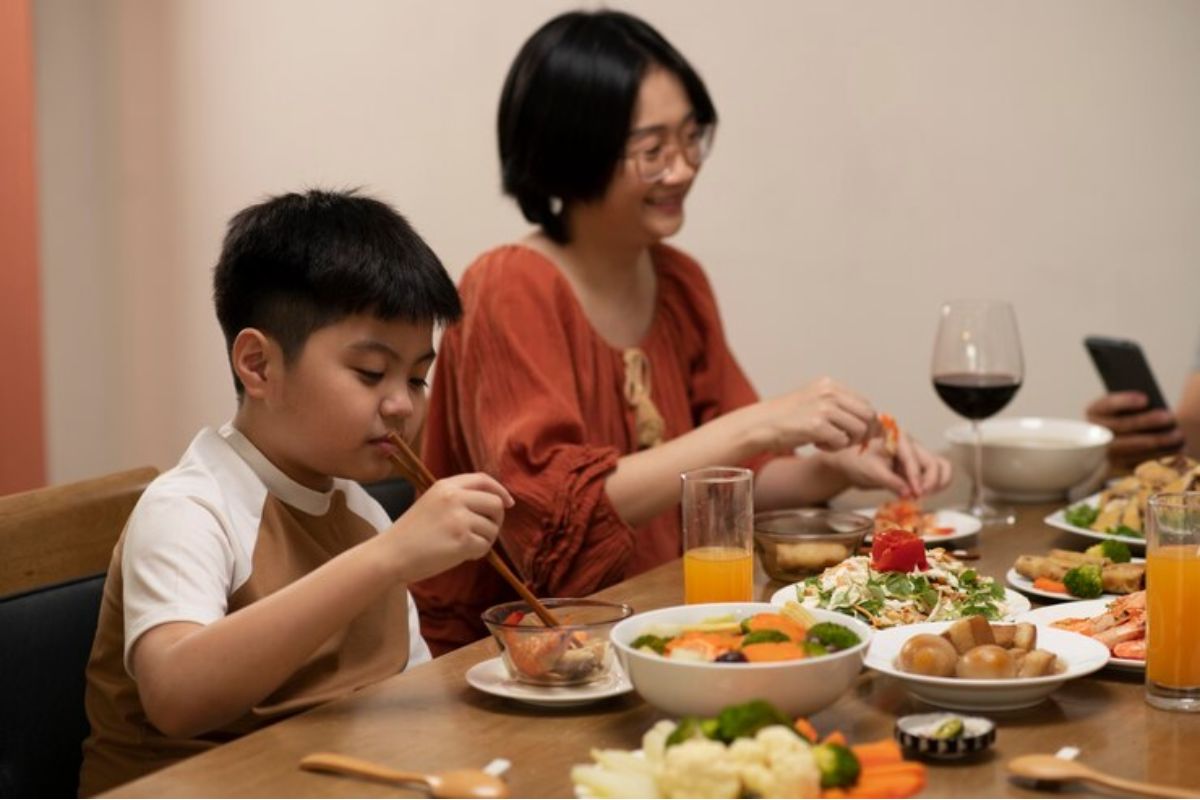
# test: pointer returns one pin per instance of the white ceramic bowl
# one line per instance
(1082, 656)
(683, 687)
(1033, 458)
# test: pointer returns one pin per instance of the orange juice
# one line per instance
(718, 575)
(1172, 602)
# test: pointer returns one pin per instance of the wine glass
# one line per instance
(977, 368)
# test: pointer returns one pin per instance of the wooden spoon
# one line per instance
(452, 783)
(1042, 767)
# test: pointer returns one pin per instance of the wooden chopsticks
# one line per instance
(415, 471)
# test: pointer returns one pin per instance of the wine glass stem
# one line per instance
(977, 472)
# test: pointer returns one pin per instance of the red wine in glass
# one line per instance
(977, 368)
(976, 396)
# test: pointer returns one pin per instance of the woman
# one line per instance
(591, 368)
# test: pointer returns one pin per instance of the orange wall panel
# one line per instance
(22, 438)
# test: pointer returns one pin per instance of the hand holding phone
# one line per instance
(1142, 424)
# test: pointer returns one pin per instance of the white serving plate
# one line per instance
(492, 677)
(1058, 520)
(1081, 654)
(964, 525)
(1017, 603)
(1080, 608)
(1025, 586)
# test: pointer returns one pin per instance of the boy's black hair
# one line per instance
(298, 262)
(567, 105)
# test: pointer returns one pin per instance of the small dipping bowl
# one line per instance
(794, 543)
(576, 653)
(915, 733)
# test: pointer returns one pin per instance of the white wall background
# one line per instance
(873, 159)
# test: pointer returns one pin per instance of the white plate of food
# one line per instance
(1072, 519)
(1025, 585)
(491, 677)
(1095, 610)
(935, 527)
(1064, 656)
(949, 589)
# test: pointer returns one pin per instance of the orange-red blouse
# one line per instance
(527, 391)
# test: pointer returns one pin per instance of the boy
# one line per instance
(254, 580)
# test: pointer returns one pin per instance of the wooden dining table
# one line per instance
(428, 718)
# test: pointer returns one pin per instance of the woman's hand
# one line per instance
(824, 414)
(914, 471)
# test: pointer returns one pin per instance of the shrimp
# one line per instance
(891, 436)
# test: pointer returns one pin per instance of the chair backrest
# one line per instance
(394, 494)
(45, 639)
(64, 532)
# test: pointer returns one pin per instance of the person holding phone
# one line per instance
(1142, 432)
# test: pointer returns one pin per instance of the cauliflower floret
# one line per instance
(654, 741)
(699, 768)
(776, 763)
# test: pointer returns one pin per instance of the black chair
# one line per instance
(45, 639)
(394, 494)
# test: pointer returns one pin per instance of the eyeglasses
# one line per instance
(654, 155)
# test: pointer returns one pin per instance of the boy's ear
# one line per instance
(256, 359)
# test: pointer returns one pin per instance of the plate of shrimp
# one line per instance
(1118, 623)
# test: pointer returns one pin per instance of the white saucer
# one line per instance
(964, 525)
(491, 677)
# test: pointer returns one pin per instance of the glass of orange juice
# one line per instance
(718, 535)
(1172, 601)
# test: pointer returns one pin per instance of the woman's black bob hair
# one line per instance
(567, 105)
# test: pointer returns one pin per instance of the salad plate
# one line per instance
(1022, 584)
(491, 677)
(1080, 609)
(1015, 602)
(961, 525)
(1059, 520)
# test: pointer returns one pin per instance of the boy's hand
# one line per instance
(456, 520)
(1138, 434)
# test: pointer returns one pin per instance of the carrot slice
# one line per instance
(806, 730)
(872, 754)
(904, 779)
(779, 622)
(773, 651)
(836, 737)
(1050, 585)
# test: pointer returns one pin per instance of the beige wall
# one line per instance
(873, 159)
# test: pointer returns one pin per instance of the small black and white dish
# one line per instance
(919, 734)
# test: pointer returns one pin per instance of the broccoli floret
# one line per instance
(1084, 581)
(764, 635)
(692, 728)
(1117, 552)
(838, 765)
(1082, 515)
(813, 649)
(1125, 530)
(656, 643)
(833, 636)
(748, 719)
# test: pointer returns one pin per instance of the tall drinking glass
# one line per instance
(1172, 597)
(977, 368)
(718, 535)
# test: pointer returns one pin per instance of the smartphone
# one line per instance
(1123, 367)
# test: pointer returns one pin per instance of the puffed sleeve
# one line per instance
(717, 383)
(521, 365)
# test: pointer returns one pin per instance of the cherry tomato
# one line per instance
(898, 550)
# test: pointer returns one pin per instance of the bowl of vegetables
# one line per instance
(697, 659)
(573, 654)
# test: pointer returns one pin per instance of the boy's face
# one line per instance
(355, 380)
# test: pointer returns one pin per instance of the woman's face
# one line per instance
(646, 211)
